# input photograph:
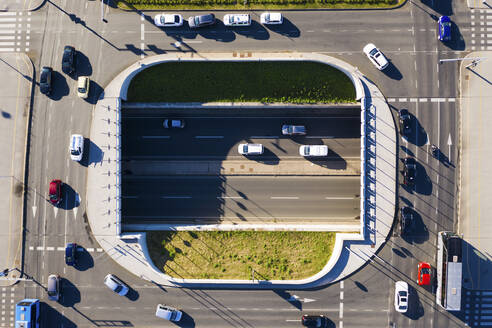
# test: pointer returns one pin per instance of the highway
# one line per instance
(406, 35)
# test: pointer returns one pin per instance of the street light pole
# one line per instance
(475, 60)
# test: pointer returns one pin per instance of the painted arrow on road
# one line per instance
(295, 298)
(450, 143)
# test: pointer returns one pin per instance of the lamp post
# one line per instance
(475, 60)
(5, 272)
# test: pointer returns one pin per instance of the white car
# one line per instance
(168, 20)
(250, 149)
(401, 296)
(76, 147)
(237, 20)
(168, 313)
(116, 285)
(83, 84)
(376, 56)
(313, 150)
(271, 18)
(177, 124)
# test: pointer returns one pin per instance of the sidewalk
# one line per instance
(20, 5)
(16, 98)
(352, 250)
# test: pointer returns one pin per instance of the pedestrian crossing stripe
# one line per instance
(414, 100)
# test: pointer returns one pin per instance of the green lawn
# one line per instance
(292, 82)
(233, 254)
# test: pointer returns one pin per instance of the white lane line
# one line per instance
(209, 137)
(229, 197)
(156, 137)
(10, 13)
(7, 31)
(50, 248)
(31, 248)
(7, 25)
(283, 197)
(263, 137)
(7, 37)
(320, 137)
(8, 20)
(142, 32)
(176, 197)
(7, 43)
(60, 248)
(90, 249)
(39, 248)
(99, 250)
(339, 198)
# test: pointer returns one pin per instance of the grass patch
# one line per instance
(233, 254)
(266, 82)
(255, 4)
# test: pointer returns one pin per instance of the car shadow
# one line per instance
(83, 65)
(60, 86)
(415, 307)
(392, 71)
(333, 161)
(186, 320)
(84, 259)
(52, 318)
(457, 40)
(423, 183)
(95, 154)
(132, 294)
(286, 29)
(268, 157)
(406, 150)
(95, 92)
(71, 199)
(70, 293)
(217, 32)
(255, 31)
(440, 7)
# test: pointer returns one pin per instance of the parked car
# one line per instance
(116, 285)
(423, 274)
(406, 220)
(170, 123)
(71, 254)
(250, 149)
(55, 191)
(168, 313)
(409, 171)
(376, 56)
(53, 288)
(45, 80)
(271, 18)
(83, 85)
(76, 147)
(237, 20)
(444, 28)
(201, 20)
(68, 60)
(293, 130)
(168, 20)
(314, 321)
(401, 296)
(405, 121)
(313, 150)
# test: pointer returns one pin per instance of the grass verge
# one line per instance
(292, 82)
(233, 254)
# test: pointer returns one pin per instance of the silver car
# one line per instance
(291, 130)
(116, 285)
(53, 289)
(201, 20)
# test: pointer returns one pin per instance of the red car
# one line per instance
(424, 274)
(55, 192)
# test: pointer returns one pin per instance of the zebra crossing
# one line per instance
(7, 317)
(481, 29)
(15, 29)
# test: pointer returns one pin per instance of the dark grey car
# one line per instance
(201, 21)
(45, 80)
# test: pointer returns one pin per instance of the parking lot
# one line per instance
(163, 180)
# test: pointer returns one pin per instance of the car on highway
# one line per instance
(45, 80)
(444, 27)
(401, 296)
(116, 285)
(237, 20)
(376, 56)
(423, 274)
(68, 60)
(168, 20)
(406, 220)
(201, 20)
(173, 124)
(313, 150)
(83, 84)
(313, 321)
(76, 147)
(409, 171)
(168, 313)
(271, 18)
(404, 122)
(71, 254)
(53, 288)
(250, 149)
(292, 130)
(54, 192)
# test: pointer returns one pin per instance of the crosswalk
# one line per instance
(7, 317)
(481, 29)
(15, 29)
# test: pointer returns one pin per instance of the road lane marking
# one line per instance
(209, 137)
(176, 197)
(156, 137)
(340, 198)
(284, 197)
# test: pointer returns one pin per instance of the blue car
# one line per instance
(71, 254)
(444, 28)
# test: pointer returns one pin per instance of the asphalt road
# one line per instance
(406, 35)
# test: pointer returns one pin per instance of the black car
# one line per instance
(45, 80)
(409, 171)
(404, 120)
(68, 60)
(314, 321)
(406, 220)
(201, 21)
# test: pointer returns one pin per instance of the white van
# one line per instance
(76, 147)
(168, 313)
(237, 20)
(313, 150)
(250, 149)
